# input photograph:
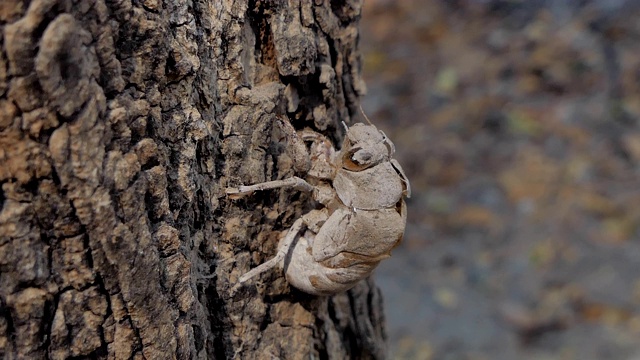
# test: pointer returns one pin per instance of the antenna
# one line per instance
(346, 128)
(365, 115)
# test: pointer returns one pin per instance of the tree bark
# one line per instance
(121, 124)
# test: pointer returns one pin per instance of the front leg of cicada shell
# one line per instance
(294, 182)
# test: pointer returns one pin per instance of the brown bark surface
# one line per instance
(121, 123)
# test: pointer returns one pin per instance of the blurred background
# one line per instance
(517, 124)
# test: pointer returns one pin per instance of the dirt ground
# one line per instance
(518, 125)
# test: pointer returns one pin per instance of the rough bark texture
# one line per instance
(121, 123)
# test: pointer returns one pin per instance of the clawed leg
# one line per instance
(294, 181)
(295, 229)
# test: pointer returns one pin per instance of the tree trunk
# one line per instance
(121, 124)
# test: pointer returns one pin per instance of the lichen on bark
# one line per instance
(121, 122)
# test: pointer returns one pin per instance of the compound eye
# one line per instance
(357, 159)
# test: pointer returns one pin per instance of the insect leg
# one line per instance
(297, 226)
(294, 181)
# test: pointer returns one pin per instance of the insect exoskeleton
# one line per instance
(362, 190)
